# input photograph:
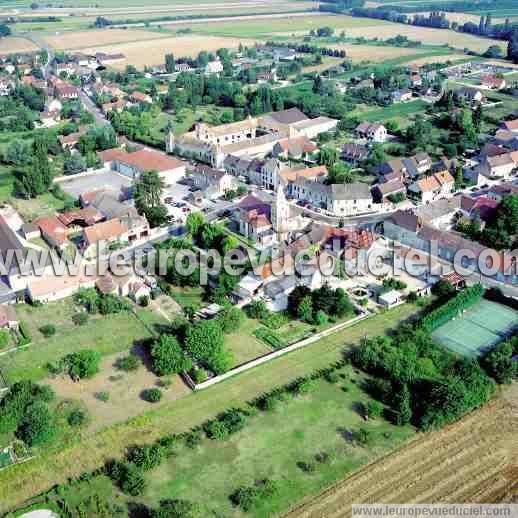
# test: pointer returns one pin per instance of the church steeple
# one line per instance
(280, 210)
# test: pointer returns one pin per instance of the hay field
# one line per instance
(82, 39)
(426, 35)
(15, 44)
(437, 59)
(461, 18)
(376, 54)
(152, 52)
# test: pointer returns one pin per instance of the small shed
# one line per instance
(389, 298)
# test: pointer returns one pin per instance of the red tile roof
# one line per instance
(53, 228)
(105, 231)
(143, 160)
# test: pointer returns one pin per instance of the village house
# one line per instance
(382, 192)
(405, 169)
(492, 82)
(401, 96)
(296, 147)
(511, 125)
(53, 231)
(372, 132)
(470, 95)
(213, 182)
(214, 67)
(252, 218)
(429, 188)
(66, 91)
(500, 166)
(6, 86)
(481, 208)
(8, 317)
(140, 98)
(353, 153)
(104, 59)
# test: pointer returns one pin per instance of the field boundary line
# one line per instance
(276, 354)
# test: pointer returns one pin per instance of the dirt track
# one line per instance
(475, 460)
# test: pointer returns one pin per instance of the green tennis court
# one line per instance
(477, 329)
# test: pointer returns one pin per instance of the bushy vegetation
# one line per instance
(462, 301)
(24, 411)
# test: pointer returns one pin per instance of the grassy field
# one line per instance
(86, 453)
(398, 111)
(106, 334)
(272, 445)
(243, 345)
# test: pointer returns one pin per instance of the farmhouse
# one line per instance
(493, 82)
(438, 185)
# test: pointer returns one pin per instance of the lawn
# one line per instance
(82, 454)
(398, 111)
(106, 334)
(188, 296)
(271, 445)
(243, 345)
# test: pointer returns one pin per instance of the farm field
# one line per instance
(285, 25)
(14, 44)
(473, 460)
(78, 40)
(152, 52)
(77, 456)
(427, 35)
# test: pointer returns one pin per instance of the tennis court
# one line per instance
(477, 329)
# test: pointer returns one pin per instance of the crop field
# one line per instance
(14, 44)
(380, 53)
(80, 454)
(473, 460)
(426, 35)
(477, 329)
(285, 26)
(152, 52)
(79, 40)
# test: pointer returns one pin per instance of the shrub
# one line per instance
(48, 330)
(304, 386)
(129, 363)
(361, 436)
(177, 509)
(132, 481)
(374, 408)
(193, 439)
(4, 338)
(257, 309)
(80, 319)
(152, 395)
(247, 497)
(78, 417)
(24, 330)
(231, 319)
(144, 301)
(306, 467)
(332, 377)
(168, 357)
(103, 396)
(83, 364)
(320, 318)
(199, 375)
(37, 425)
(216, 430)
(146, 457)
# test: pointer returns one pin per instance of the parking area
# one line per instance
(103, 179)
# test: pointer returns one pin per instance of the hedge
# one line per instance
(452, 308)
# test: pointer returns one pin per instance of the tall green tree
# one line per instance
(147, 194)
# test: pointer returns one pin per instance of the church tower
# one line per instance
(169, 137)
(280, 212)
